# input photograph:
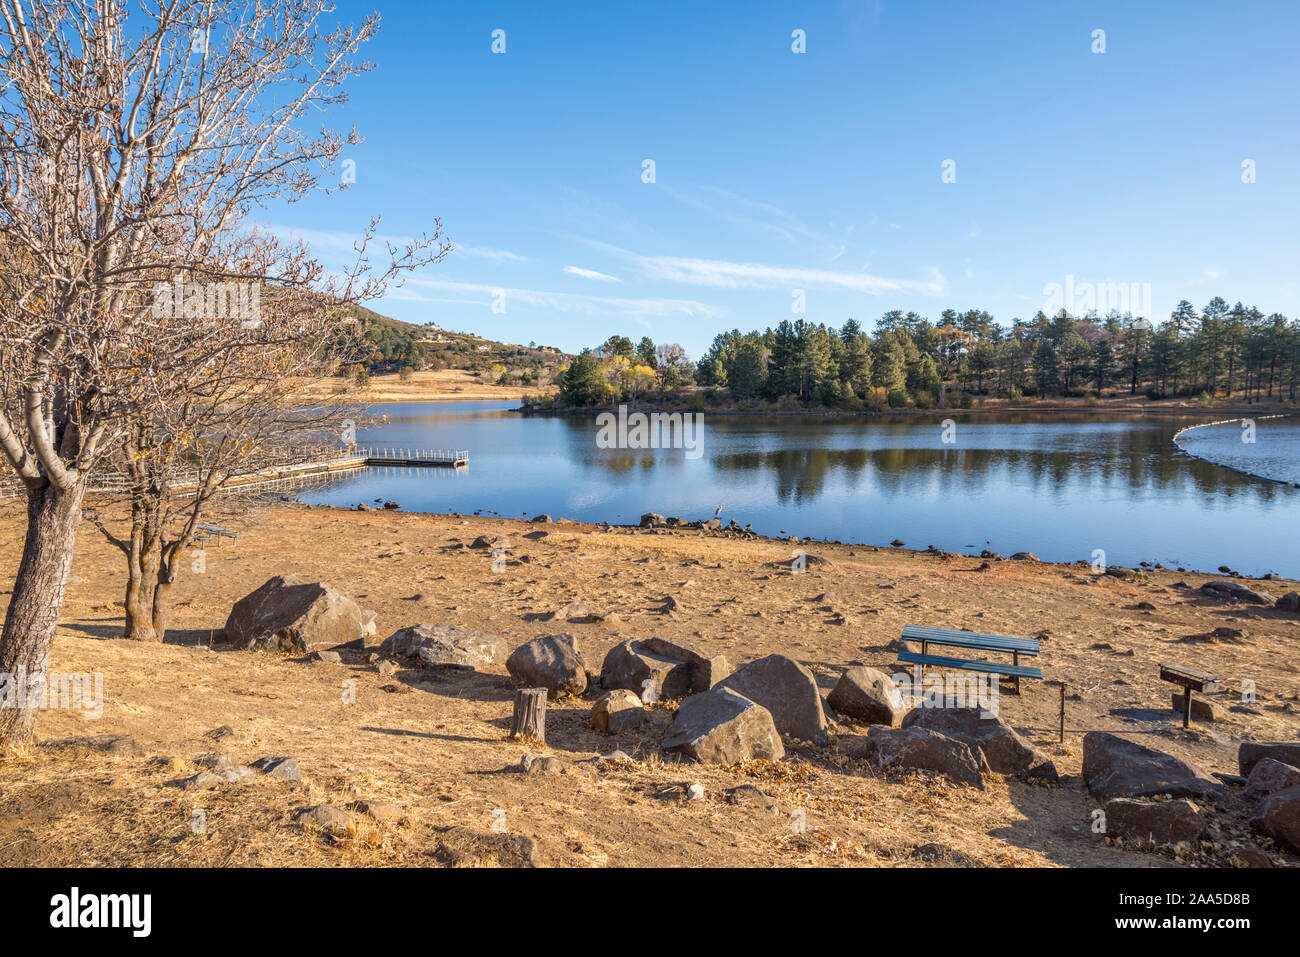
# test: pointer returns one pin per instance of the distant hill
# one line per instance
(398, 344)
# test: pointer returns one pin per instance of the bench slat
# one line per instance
(970, 639)
(966, 664)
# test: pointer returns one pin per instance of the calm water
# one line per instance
(1059, 486)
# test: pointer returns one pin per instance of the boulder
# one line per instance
(575, 611)
(285, 768)
(788, 691)
(651, 520)
(324, 815)
(293, 616)
(445, 646)
(674, 669)
(1278, 816)
(553, 662)
(1157, 822)
(490, 541)
(724, 727)
(1005, 751)
(1114, 767)
(868, 695)
(1235, 591)
(1289, 602)
(925, 750)
(1269, 776)
(617, 711)
(1250, 753)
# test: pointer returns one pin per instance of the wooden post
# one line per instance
(1187, 707)
(1062, 712)
(529, 720)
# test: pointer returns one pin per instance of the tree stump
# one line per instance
(529, 721)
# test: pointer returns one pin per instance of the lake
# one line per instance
(1061, 486)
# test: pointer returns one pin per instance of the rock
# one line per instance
(868, 695)
(292, 616)
(1289, 602)
(1251, 857)
(925, 750)
(1157, 822)
(941, 855)
(327, 816)
(672, 606)
(695, 792)
(898, 543)
(1025, 557)
(651, 520)
(329, 657)
(199, 782)
(788, 691)
(828, 598)
(234, 773)
(553, 662)
(1201, 709)
(1114, 767)
(386, 668)
(724, 727)
(1146, 606)
(541, 764)
(284, 768)
(747, 794)
(675, 670)
(1269, 775)
(899, 644)
(575, 611)
(615, 757)
(446, 646)
(490, 541)
(461, 847)
(617, 711)
(1250, 753)
(543, 519)
(103, 743)
(379, 810)
(1234, 591)
(215, 761)
(1005, 751)
(1278, 816)
(220, 734)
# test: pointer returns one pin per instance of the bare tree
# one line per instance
(134, 149)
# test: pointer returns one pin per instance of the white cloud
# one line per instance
(487, 252)
(738, 275)
(590, 274)
(567, 302)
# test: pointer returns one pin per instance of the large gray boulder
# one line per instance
(1114, 767)
(675, 670)
(724, 727)
(1250, 753)
(1278, 816)
(446, 646)
(925, 750)
(1158, 822)
(1269, 776)
(553, 662)
(1005, 751)
(868, 695)
(1235, 591)
(788, 690)
(1289, 602)
(293, 616)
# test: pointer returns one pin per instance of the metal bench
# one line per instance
(207, 532)
(1189, 679)
(975, 641)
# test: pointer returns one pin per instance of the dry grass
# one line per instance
(436, 744)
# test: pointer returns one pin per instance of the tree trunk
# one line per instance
(52, 519)
(143, 559)
(529, 720)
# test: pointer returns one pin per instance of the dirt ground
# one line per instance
(437, 744)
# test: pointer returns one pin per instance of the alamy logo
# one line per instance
(209, 300)
(1079, 299)
(134, 911)
(55, 691)
(657, 430)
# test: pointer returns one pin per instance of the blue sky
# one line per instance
(820, 171)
